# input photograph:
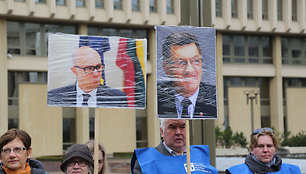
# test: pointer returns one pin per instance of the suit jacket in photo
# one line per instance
(106, 97)
(205, 104)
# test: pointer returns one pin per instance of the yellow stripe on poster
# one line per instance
(140, 55)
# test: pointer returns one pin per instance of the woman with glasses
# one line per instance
(15, 153)
(103, 167)
(78, 159)
(262, 157)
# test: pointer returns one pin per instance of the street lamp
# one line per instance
(251, 95)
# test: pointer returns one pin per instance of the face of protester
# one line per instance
(174, 134)
(15, 160)
(101, 160)
(85, 59)
(265, 149)
(77, 165)
(185, 67)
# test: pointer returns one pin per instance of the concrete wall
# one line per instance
(240, 111)
(296, 109)
(117, 129)
(43, 123)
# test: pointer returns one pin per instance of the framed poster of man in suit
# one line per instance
(96, 71)
(186, 72)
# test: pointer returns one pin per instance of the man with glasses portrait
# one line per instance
(183, 94)
(87, 90)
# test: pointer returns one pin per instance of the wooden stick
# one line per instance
(96, 152)
(188, 146)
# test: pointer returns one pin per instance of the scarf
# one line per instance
(260, 168)
(27, 170)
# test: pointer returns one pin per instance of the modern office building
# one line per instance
(260, 55)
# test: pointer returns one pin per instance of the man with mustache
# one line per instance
(183, 94)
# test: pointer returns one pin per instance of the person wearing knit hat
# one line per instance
(78, 158)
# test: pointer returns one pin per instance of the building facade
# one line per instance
(261, 47)
(261, 75)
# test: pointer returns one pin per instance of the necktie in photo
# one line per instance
(185, 103)
(85, 99)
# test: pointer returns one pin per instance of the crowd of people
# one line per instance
(168, 157)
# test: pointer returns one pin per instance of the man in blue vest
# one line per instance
(170, 155)
(262, 157)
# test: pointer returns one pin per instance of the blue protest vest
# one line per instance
(285, 169)
(152, 161)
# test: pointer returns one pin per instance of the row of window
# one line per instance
(117, 4)
(247, 49)
(258, 49)
(31, 39)
(265, 9)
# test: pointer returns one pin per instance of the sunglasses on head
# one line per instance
(261, 130)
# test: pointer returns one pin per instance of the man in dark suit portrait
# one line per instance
(183, 94)
(87, 91)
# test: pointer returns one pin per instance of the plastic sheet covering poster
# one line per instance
(186, 72)
(96, 71)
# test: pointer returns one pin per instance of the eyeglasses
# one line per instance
(16, 150)
(81, 163)
(261, 130)
(183, 63)
(91, 69)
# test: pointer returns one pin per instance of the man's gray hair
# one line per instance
(162, 123)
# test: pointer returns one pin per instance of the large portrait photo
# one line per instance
(186, 72)
(96, 71)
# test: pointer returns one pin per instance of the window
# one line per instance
(293, 50)
(40, 1)
(118, 4)
(80, 3)
(226, 49)
(294, 10)
(19, 0)
(170, 6)
(60, 2)
(218, 8)
(99, 3)
(247, 49)
(239, 49)
(153, 6)
(69, 127)
(265, 9)
(253, 49)
(266, 49)
(285, 55)
(250, 9)
(31, 38)
(135, 5)
(279, 10)
(234, 9)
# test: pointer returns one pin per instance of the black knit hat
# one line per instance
(77, 150)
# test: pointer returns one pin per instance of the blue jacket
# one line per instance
(152, 161)
(285, 169)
